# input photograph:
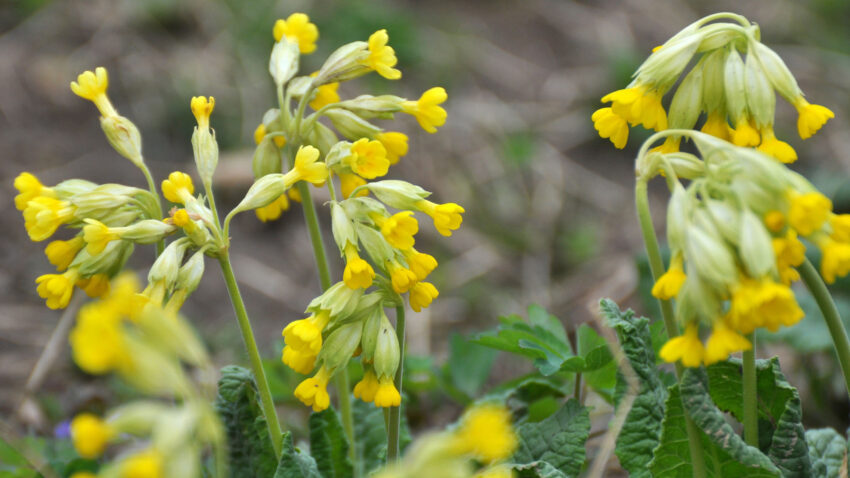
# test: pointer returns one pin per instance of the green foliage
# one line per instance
(827, 452)
(328, 445)
(294, 463)
(555, 443)
(469, 364)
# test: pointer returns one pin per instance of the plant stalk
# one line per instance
(160, 244)
(751, 423)
(269, 411)
(394, 423)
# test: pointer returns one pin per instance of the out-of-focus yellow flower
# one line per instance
(669, 284)
(745, 134)
(95, 286)
(57, 289)
(146, 464)
(762, 303)
(782, 151)
(273, 210)
(367, 387)
(297, 28)
(687, 347)
(325, 95)
(349, 182)
(260, 133)
(835, 259)
(717, 126)
(808, 212)
(90, 435)
(722, 342)
(486, 432)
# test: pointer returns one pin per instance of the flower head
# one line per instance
(420, 263)
(43, 215)
(95, 286)
(307, 167)
(808, 212)
(29, 188)
(202, 108)
(297, 28)
(403, 279)
(668, 285)
(426, 110)
(687, 347)
(92, 86)
(811, 117)
(387, 395)
(97, 236)
(358, 273)
(146, 464)
(90, 435)
(395, 143)
(763, 303)
(306, 334)
(835, 259)
(367, 387)
(178, 187)
(782, 151)
(399, 229)
(745, 134)
(422, 294)
(62, 253)
(382, 57)
(790, 253)
(486, 432)
(717, 126)
(447, 217)
(722, 342)
(368, 158)
(97, 341)
(611, 126)
(301, 361)
(639, 105)
(313, 391)
(57, 289)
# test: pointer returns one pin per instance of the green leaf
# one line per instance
(558, 440)
(294, 463)
(538, 469)
(827, 452)
(469, 364)
(328, 445)
(540, 318)
(250, 449)
(642, 428)
(371, 435)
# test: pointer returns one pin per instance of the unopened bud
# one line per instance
(368, 106)
(338, 300)
(398, 194)
(761, 100)
(386, 349)
(167, 265)
(124, 137)
(343, 64)
(756, 246)
(340, 345)
(205, 149)
(283, 63)
(352, 126)
(264, 190)
(342, 226)
(374, 243)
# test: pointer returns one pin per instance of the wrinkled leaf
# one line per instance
(558, 440)
(827, 452)
(538, 469)
(328, 445)
(294, 463)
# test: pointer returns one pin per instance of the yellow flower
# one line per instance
(260, 133)
(368, 159)
(687, 347)
(202, 108)
(808, 212)
(29, 188)
(307, 168)
(420, 263)
(447, 217)
(811, 117)
(178, 188)
(97, 341)
(717, 126)
(297, 29)
(43, 215)
(782, 151)
(95, 286)
(358, 273)
(486, 432)
(313, 391)
(382, 56)
(273, 210)
(639, 105)
(611, 126)
(722, 342)
(83, 474)
(744, 134)
(670, 145)
(669, 284)
(840, 227)
(386, 395)
(90, 435)
(398, 229)
(146, 464)
(92, 86)
(97, 236)
(835, 259)
(294, 195)
(774, 220)
(57, 289)
(395, 143)
(300, 361)
(402, 278)
(501, 471)
(349, 182)
(325, 95)
(790, 253)
(367, 387)
(427, 110)
(422, 294)
(306, 334)
(62, 253)
(762, 303)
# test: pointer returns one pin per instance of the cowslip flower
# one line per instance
(368, 159)
(97, 341)
(611, 125)
(202, 108)
(307, 168)
(763, 303)
(62, 253)
(395, 143)
(313, 391)
(43, 216)
(358, 273)
(95, 286)
(273, 210)
(399, 229)
(687, 347)
(447, 217)
(29, 188)
(810, 117)
(402, 278)
(297, 28)
(349, 182)
(382, 57)
(92, 86)
(97, 236)
(325, 95)
(260, 133)
(486, 432)
(808, 212)
(57, 289)
(367, 387)
(835, 259)
(426, 109)
(90, 435)
(386, 394)
(301, 361)
(780, 150)
(307, 333)
(722, 342)
(668, 285)
(422, 294)
(420, 263)
(178, 188)
(145, 464)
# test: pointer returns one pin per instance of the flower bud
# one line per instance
(205, 149)
(283, 63)
(298, 86)
(261, 193)
(71, 187)
(387, 354)
(686, 103)
(725, 218)
(343, 64)
(340, 345)
(710, 256)
(398, 194)
(167, 265)
(776, 71)
(756, 246)
(136, 418)
(761, 100)
(322, 137)
(735, 84)
(342, 226)
(147, 231)
(124, 137)
(191, 273)
(664, 66)
(678, 212)
(374, 243)
(338, 300)
(100, 202)
(266, 158)
(351, 126)
(371, 329)
(686, 165)
(368, 106)
(108, 262)
(713, 81)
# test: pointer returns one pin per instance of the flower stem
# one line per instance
(656, 265)
(269, 411)
(160, 244)
(827, 307)
(394, 424)
(751, 423)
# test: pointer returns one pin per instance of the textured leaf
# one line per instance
(371, 435)
(294, 463)
(558, 440)
(538, 469)
(328, 445)
(827, 452)
(469, 364)
(538, 317)
(250, 449)
(642, 428)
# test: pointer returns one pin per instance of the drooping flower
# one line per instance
(382, 57)
(722, 342)
(358, 273)
(811, 117)
(313, 391)
(669, 284)
(687, 347)
(422, 294)
(427, 111)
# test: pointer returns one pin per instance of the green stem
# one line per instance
(160, 244)
(269, 411)
(394, 424)
(656, 265)
(827, 307)
(751, 423)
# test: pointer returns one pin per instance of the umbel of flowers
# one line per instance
(733, 83)
(375, 235)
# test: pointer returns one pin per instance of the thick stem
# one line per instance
(394, 423)
(269, 411)
(656, 265)
(751, 423)
(827, 307)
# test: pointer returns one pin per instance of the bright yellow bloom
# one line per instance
(611, 126)
(420, 263)
(147, 464)
(774, 220)
(29, 188)
(260, 133)
(639, 105)
(95, 286)
(325, 95)
(382, 57)
(313, 391)
(97, 340)
(670, 145)
(447, 217)
(43, 215)
(90, 435)
(722, 342)
(97, 236)
(301, 361)
(306, 334)
(790, 253)
(687, 347)
(178, 187)
(717, 126)
(181, 218)
(294, 195)
(669, 284)
(782, 151)
(811, 117)
(395, 143)
(386, 395)
(422, 294)
(367, 387)
(307, 167)
(840, 227)
(62, 253)
(403, 279)
(427, 110)
(398, 229)
(745, 134)
(358, 273)
(763, 303)
(297, 29)
(273, 210)
(92, 86)
(368, 159)
(486, 432)
(57, 289)
(202, 108)
(808, 212)
(349, 182)
(835, 259)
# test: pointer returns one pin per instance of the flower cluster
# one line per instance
(126, 333)
(376, 243)
(734, 80)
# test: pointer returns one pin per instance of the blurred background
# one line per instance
(549, 204)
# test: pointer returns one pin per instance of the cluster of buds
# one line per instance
(484, 437)
(150, 349)
(734, 80)
(735, 237)
(347, 319)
